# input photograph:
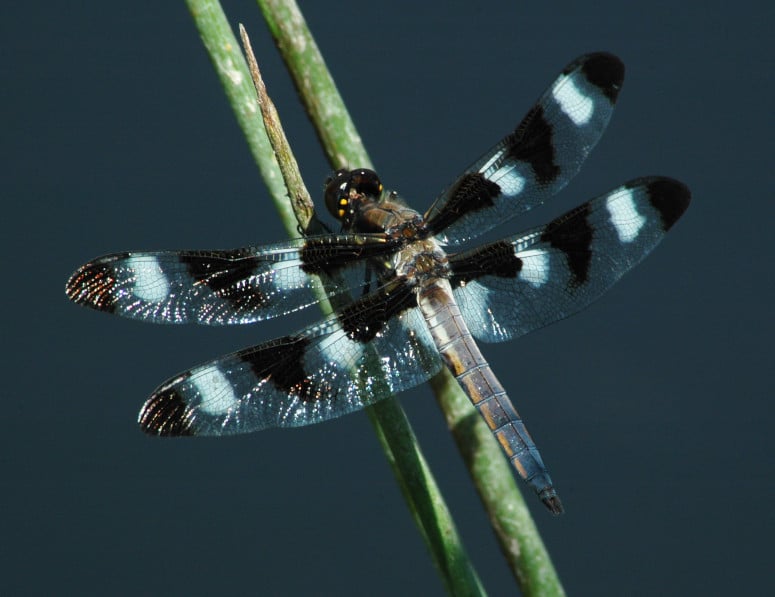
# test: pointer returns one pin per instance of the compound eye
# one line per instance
(345, 185)
(337, 194)
(366, 182)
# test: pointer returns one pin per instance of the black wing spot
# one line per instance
(532, 143)
(496, 259)
(328, 255)
(470, 193)
(367, 317)
(165, 413)
(217, 273)
(323, 256)
(670, 198)
(281, 363)
(603, 70)
(94, 284)
(572, 234)
(225, 278)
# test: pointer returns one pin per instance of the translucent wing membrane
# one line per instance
(510, 287)
(382, 343)
(223, 287)
(326, 370)
(536, 160)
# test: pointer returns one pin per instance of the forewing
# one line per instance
(223, 287)
(536, 160)
(375, 347)
(516, 285)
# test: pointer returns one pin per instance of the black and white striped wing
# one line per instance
(223, 287)
(539, 158)
(519, 284)
(375, 347)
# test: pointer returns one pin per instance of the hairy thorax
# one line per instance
(421, 258)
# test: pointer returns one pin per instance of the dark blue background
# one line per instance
(652, 409)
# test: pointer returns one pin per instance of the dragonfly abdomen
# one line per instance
(466, 362)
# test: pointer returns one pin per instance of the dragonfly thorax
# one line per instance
(422, 261)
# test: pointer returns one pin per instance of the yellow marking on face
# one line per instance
(343, 203)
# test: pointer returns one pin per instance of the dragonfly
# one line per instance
(413, 296)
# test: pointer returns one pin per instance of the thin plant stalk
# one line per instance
(493, 477)
(412, 472)
(415, 479)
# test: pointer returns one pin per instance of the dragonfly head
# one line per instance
(347, 190)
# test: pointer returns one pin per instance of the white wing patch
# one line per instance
(290, 274)
(624, 215)
(577, 106)
(535, 267)
(338, 348)
(506, 175)
(215, 392)
(509, 180)
(151, 284)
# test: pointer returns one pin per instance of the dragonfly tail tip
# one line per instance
(552, 501)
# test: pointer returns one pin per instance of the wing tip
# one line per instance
(669, 197)
(165, 414)
(92, 284)
(77, 285)
(72, 286)
(552, 501)
(604, 70)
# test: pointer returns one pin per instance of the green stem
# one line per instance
(226, 56)
(415, 479)
(518, 537)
